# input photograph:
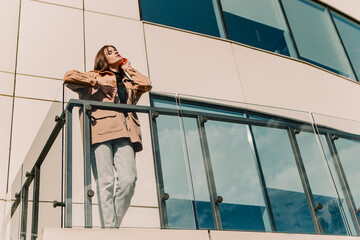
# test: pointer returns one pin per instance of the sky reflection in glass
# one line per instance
(236, 177)
(317, 43)
(287, 198)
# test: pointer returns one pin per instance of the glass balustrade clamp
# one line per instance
(165, 196)
(58, 204)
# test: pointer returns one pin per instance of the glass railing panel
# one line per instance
(174, 176)
(243, 206)
(323, 189)
(11, 226)
(74, 175)
(203, 212)
(236, 177)
(340, 140)
(288, 201)
(44, 151)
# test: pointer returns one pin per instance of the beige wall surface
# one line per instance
(349, 7)
(9, 18)
(120, 8)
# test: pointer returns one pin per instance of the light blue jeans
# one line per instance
(114, 169)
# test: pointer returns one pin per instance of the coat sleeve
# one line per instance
(76, 80)
(140, 83)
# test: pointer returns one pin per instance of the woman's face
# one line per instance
(112, 57)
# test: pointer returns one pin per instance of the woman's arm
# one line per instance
(76, 80)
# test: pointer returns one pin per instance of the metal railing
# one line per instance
(65, 119)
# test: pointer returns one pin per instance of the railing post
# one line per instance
(25, 198)
(214, 198)
(68, 169)
(87, 167)
(35, 208)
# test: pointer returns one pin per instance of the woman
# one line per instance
(115, 136)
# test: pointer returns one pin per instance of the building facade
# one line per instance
(253, 130)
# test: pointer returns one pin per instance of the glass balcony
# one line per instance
(218, 165)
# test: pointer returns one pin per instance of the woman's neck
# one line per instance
(114, 69)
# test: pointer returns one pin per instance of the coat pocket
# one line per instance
(107, 124)
(135, 118)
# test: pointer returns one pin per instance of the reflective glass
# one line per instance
(349, 152)
(198, 16)
(202, 205)
(317, 43)
(286, 194)
(258, 23)
(175, 173)
(322, 185)
(350, 34)
(236, 177)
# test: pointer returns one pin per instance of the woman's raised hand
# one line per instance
(125, 63)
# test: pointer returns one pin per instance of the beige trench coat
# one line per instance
(106, 124)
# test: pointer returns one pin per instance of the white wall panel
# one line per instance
(37, 87)
(125, 233)
(273, 81)
(334, 95)
(51, 41)
(29, 117)
(126, 35)
(122, 8)
(7, 83)
(9, 17)
(185, 63)
(142, 218)
(69, 3)
(350, 7)
(5, 126)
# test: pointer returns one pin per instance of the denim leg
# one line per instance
(125, 170)
(103, 170)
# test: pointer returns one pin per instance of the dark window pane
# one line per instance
(258, 23)
(198, 16)
(316, 37)
(350, 35)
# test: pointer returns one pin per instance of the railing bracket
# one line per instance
(58, 204)
(155, 115)
(219, 199)
(90, 193)
(203, 119)
(59, 119)
(88, 107)
(165, 196)
(335, 137)
(29, 174)
(319, 206)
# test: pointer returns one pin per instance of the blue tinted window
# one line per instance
(258, 23)
(198, 16)
(316, 37)
(350, 34)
